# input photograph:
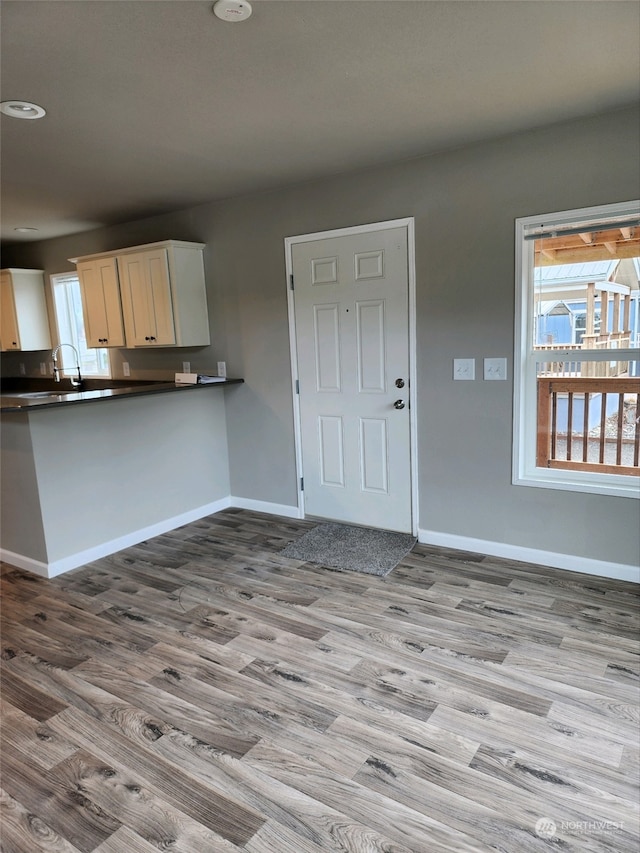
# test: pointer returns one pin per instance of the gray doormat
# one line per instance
(356, 549)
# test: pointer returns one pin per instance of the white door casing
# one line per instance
(351, 316)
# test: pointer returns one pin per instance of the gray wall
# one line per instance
(464, 203)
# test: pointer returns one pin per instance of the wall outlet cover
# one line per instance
(125, 368)
(222, 368)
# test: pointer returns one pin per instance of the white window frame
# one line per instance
(66, 357)
(524, 470)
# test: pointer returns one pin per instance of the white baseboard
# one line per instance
(586, 565)
(104, 549)
(73, 561)
(27, 563)
(265, 506)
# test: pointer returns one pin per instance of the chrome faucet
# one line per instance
(76, 382)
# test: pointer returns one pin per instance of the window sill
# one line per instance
(594, 484)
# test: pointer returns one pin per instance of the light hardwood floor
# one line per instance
(199, 692)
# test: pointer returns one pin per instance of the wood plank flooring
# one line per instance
(199, 692)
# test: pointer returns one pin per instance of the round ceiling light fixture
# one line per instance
(232, 10)
(22, 109)
(23, 229)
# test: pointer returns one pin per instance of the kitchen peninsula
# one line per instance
(86, 474)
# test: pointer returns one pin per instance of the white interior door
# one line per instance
(351, 309)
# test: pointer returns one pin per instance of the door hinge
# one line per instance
(297, 386)
(291, 282)
(302, 484)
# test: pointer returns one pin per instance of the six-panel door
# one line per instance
(352, 340)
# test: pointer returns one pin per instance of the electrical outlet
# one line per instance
(495, 368)
(23, 370)
(186, 367)
(43, 368)
(222, 368)
(125, 368)
(464, 368)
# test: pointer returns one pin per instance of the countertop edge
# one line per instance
(22, 405)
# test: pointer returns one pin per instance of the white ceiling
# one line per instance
(155, 106)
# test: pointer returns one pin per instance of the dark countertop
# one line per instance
(46, 395)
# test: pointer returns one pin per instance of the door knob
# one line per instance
(399, 404)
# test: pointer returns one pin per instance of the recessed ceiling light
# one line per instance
(232, 10)
(24, 230)
(22, 109)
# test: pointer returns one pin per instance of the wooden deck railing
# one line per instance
(589, 424)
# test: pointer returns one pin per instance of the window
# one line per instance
(577, 357)
(580, 325)
(70, 322)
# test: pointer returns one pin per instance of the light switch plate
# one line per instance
(464, 368)
(495, 368)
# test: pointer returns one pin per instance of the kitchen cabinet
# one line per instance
(101, 305)
(164, 300)
(162, 294)
(24, 321)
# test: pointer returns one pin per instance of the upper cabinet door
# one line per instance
(146, 298)
(9, 337)
(101, 303)
(160, 301)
